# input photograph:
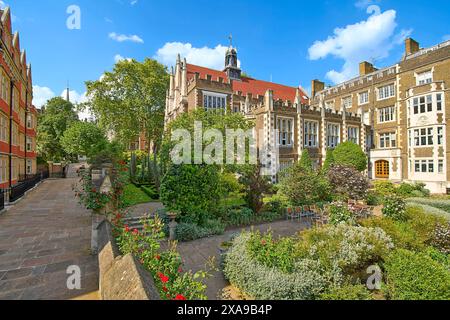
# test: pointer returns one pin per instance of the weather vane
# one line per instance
(231, 39)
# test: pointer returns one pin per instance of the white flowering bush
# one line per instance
(350, 248)
(261, 282)
(395, 208)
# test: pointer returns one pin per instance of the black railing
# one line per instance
(16, 192)
(2, 200)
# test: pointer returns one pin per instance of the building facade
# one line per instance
(18, 116)
(404, 109)
(282, 115)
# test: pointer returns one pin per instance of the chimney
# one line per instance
(412, 46)
(316, 86)
(366, 68)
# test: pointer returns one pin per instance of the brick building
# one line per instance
(18, 117)
(405, 109)
(282, 115)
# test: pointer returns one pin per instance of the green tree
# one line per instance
(329, 161)
(130, 100)
(83, 138)
(305, 160)
(350, 154)
(303, 186)
(56, 117)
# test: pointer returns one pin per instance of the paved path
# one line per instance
(144, 209)
(39, 238)
(196, 253)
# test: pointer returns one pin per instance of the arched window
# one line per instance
(382, 169)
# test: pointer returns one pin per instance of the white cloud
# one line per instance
(369, 40)
(133, 2)
(118, 58)
(363, 4)
(41, 95)
(208, 57)
(122, 38)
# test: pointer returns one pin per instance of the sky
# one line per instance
(288, 42)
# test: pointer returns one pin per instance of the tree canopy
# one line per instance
(131, 99)
(56, 116)
(83, 138)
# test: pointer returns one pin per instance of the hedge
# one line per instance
(416, 276)
(434, 206)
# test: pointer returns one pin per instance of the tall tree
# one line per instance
(56, 116)
(130, 100)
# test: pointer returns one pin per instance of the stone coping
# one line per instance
(121, 277)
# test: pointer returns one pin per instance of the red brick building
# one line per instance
(18, 116)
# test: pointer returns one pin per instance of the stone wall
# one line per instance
(121, 277)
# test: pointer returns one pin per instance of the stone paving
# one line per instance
(40, 237)
(196, 253)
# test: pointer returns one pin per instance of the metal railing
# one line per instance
(2, 200)
(16, 192)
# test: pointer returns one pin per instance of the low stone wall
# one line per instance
(121, 277)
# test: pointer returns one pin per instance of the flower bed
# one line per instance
(306, 267)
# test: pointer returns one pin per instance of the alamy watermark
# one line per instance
(235, 147)
(73, 22)
(375, 279)
(74, 280)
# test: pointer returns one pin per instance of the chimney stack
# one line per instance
(412, 46)
(316, 86)
(366, 68)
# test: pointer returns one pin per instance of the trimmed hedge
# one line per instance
(263, 283)
(416, 276)
(150, 191)
(443, 205)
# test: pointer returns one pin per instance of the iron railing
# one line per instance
(16, 192)
(2, 200)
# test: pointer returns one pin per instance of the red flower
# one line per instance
(165, 289)
(263, 242)
(93, 190)
(180, 297)
(163, 278)
(135, 232)
(180, 269)
(127, 229)
(158, 257)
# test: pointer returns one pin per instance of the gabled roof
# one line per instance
(249, 85)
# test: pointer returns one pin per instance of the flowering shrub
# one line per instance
(165, 266)
(350, 248)
(347, 182)
(340, 213)
(394, 208)
(88, 194)
(440, 238)
(262, 282)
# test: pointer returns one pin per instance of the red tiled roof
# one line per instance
(248, 85)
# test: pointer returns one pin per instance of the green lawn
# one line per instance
(134, 195)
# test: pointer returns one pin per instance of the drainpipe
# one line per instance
(11, 92)
(25, 126)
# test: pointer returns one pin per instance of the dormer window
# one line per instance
(424, 78)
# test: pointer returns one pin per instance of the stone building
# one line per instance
(283, 118)
(405, 109)
(18, 116)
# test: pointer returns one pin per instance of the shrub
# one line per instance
(150, 191)
(191, 231)
(384, 188)
(440, 238)
(265, 283)
(304, 187)
(329, 161)
(415, 276)
(348, 182)
(255, 185)
(373, 198)
(350, 154)
(394, 208)
(339, 213)
(191, 190)
(411, 190)
(438, 256)
(350, 248)
(347, 292)
(401, 233)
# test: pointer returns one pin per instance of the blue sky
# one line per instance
(290, 42)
